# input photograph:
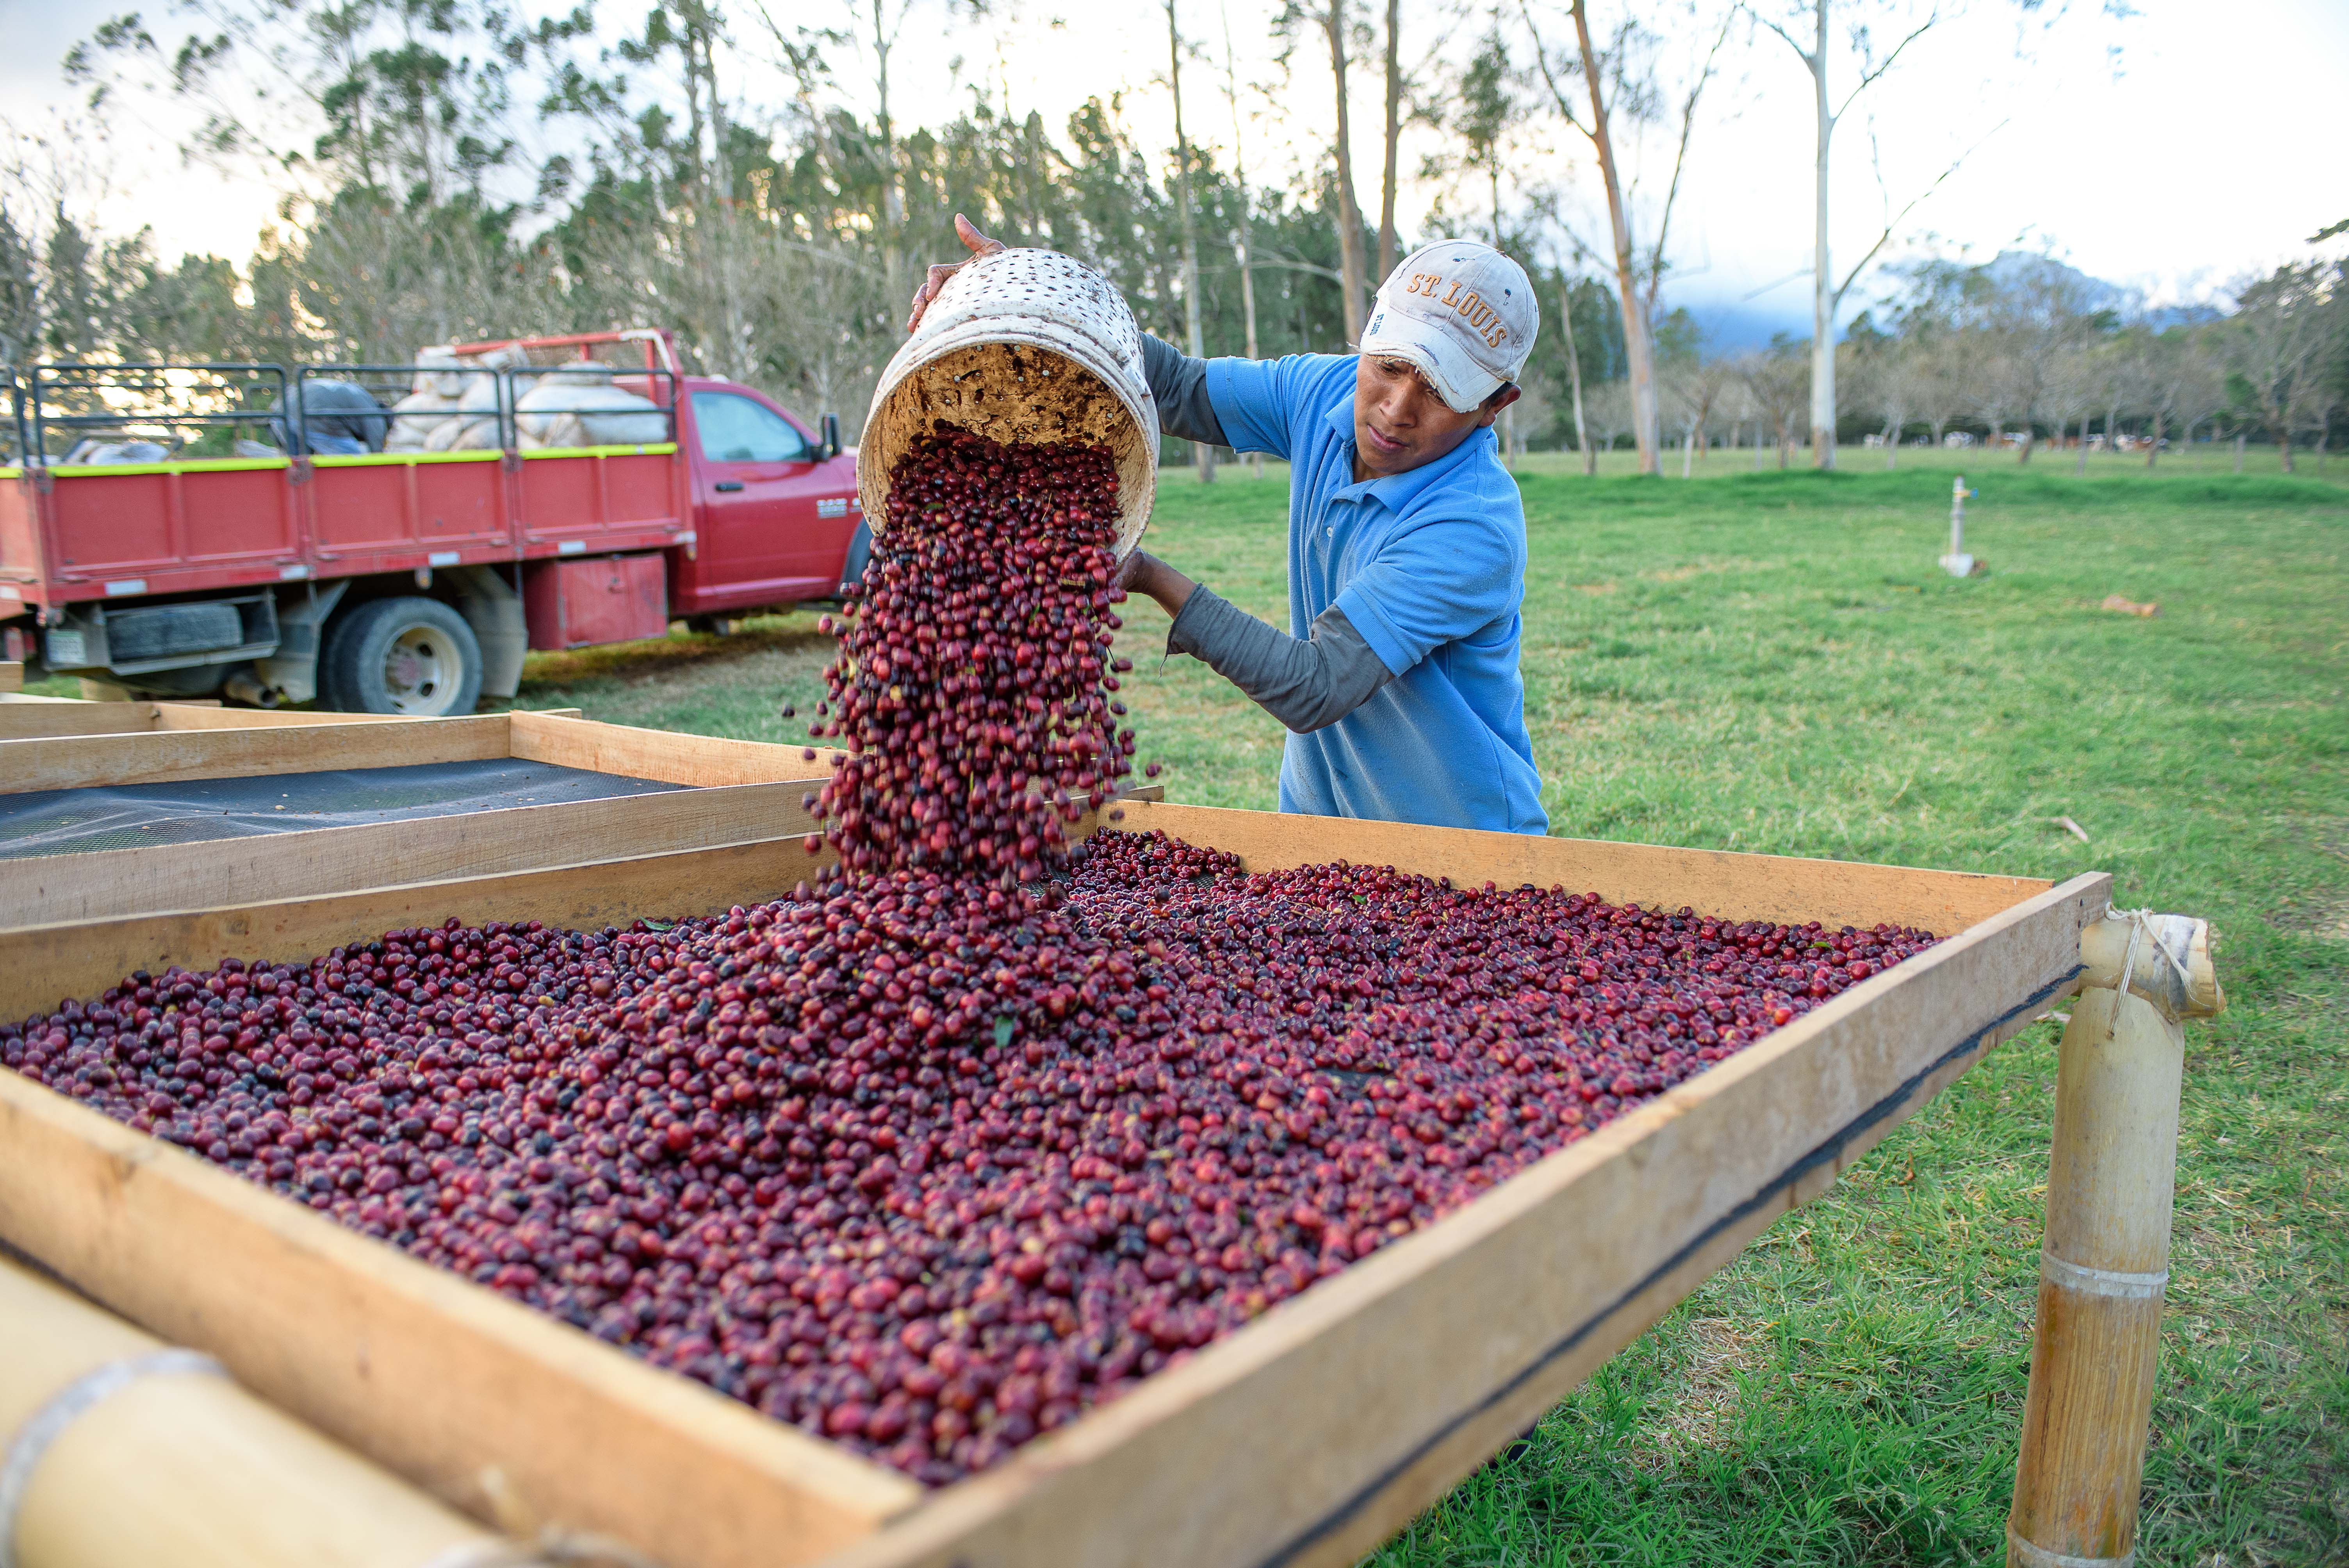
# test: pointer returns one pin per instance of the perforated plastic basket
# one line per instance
(1021, 345)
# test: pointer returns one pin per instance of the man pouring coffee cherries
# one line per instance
(1398, 682)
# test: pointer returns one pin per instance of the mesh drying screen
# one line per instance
(69, 822)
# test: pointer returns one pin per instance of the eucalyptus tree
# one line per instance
(1334, 21)
(1633, 80)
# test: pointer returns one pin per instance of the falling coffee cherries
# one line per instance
(985, 1127)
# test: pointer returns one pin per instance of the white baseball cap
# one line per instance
(1462, 313)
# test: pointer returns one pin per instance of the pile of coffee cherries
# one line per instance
(981, 1130)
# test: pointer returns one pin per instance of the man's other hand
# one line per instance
(979, 245)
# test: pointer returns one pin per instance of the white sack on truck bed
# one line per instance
(416, 417)
(602, 415)
(438, 372)
(97, 452)
(475, 427)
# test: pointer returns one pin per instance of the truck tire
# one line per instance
(860, 550)
(409, 655)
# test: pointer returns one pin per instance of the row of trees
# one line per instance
(452, 171)
(2025, 349)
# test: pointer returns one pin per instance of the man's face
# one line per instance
(1399, 423)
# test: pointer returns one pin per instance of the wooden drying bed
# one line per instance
(741, 790)
(1304, 1438)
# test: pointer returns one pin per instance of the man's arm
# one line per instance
(1179, 386)
(1307, 683)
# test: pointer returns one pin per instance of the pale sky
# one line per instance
(2204, 152)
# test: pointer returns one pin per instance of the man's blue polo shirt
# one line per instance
(1429, 567)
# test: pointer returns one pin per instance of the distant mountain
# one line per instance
(1733, 326)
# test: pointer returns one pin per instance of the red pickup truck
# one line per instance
(405, 582)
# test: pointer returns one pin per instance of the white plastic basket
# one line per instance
(1021, 345)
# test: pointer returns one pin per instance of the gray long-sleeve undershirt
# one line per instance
(1178, 384)
(1307, 683)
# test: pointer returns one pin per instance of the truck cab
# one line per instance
(777, 510)
(316, 564)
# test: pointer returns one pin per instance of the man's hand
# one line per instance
(1144, 573)
(980, 245)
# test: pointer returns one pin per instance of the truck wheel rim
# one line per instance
(419, 672)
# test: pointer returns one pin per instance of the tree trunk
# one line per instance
(1248, 308)
(1891, 446)
(1387, 257)
(2283, 428)
(2239, 439)
(893, 195)
(1244, 237)
(1574, 377)
(1205, 453)
(1823, 364)
(1639, 348)
(2080, 464)
(1688, 453)
(2153, 447)
(1350, 214)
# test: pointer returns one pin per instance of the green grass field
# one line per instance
(1773, 661)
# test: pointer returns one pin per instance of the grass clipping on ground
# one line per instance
(1774, 663)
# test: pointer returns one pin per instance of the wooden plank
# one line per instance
(497, 1409)
(80, 762)
(671, 757)
(12, 675)
(1311, 1434)
(68, 715)
(1718, 882)
(37, 718)
(193, 715)
(41, 964)
(44, 889)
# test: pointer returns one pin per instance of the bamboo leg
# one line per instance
(175, 1464)
(2107, 1259)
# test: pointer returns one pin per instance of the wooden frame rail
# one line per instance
(1303, 1439)
(43, 890)
(156, 757)
(35, 718)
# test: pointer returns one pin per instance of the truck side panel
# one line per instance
(21, 563)
(393, 511)
(603, 498)
(173, 526)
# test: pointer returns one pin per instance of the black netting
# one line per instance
(70, 822)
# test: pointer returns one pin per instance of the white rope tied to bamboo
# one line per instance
(553, 1548)
(68, 1405)
(2141, 932)
(2145, 930)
